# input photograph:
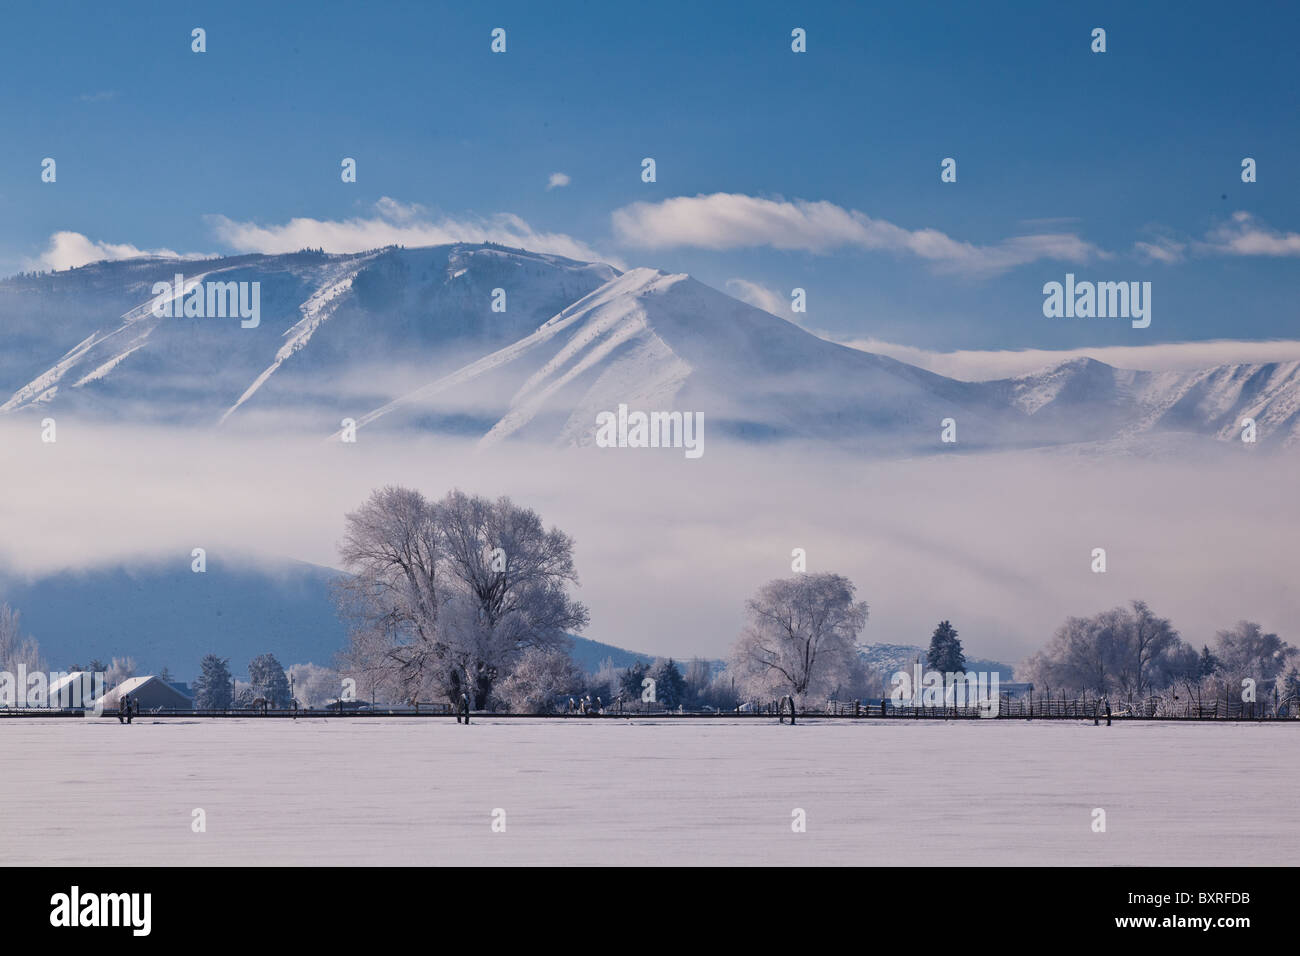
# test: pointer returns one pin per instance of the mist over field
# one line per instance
(668, 549)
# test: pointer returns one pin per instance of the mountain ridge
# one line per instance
(396, 338)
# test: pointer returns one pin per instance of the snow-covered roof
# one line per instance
(150, 690)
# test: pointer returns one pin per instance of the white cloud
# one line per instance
(68, 250)
(975, 365)
(1247, 236)
(558, 180)
(1163, 250)
(733, 220)
(760, 297)
(396, 223)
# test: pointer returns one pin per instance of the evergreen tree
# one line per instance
(630, 682)
(670, 686)
(213, 690)
(1208, 663)
(165, 675)
(945, 654)
(267, 677)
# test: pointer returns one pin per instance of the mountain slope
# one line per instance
(500, 344)
(655, 341)
(326, 323)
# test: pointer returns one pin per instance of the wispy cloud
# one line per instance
(1162, 249)
(1242, 235)
(1247, 236)
(733, 220)
(68, 250)
(100, 96)
(760, 297)
(557, 180)
(395, 223)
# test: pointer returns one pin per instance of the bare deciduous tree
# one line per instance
(1245, 650)
(1127, 651)
(801, 636)
(16, 650)
(444, 596)
(122, 668)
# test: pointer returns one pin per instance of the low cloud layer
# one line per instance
(669, 550)
(733, 220)
(976, 366)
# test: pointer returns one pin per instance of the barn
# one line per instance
(150, 692)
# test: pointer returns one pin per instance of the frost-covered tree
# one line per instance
(945, 654)
(213, 689)
(313, 685)
(1290, 692)
(541, 675)
(605, 683)
(800, 637)
(698, 676)
(390, 600)
(445, 596)
(1245, 650)
(122, 668)
(16, 650)
(510, 577)
(1152, 646)
(268, 680)
(1126, 651)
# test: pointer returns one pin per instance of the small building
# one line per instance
(149, 692)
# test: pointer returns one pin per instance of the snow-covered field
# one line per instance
(423, 792)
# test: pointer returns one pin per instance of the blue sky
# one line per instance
(774, 169)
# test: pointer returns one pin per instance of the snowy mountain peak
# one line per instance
(496, 343)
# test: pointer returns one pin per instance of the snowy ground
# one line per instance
(422, 792)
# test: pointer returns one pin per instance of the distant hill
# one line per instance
(169, 616)
(590, 655)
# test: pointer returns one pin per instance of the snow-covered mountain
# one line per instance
(499, 344)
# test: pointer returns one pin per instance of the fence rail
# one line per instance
(1028, 707)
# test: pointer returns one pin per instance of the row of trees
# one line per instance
(1132, 653)
(470, 596)
(216, 688)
